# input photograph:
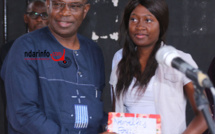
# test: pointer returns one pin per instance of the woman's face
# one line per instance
(143, 28)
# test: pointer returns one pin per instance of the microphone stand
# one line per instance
(203, 105)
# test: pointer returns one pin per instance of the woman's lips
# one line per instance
(140, 36)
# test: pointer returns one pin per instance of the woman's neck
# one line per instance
(144, 54)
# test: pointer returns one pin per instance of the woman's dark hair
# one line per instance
(129, 66)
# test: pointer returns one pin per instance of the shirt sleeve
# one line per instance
(116, 58)
(188, 58)
(20, 76)
(113, 80)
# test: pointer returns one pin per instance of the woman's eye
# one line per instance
(148, 20)
(133, 19)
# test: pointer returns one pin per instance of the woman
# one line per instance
(141, 85)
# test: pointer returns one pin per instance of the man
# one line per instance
(35, 17)
(54, 76)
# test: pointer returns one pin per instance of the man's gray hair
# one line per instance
(30, 4)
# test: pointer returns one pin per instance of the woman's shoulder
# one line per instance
(118, 54)
(187, 57)
(116, 58)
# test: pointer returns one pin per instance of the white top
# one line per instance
(135, 103)
(169, 98)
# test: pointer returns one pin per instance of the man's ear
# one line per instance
(86, 9)
(26, 18)
(47, 2)
(48, 6)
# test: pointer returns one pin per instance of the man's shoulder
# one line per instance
(34, 36)
(39, 32)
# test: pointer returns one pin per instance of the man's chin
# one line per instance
(39, 26)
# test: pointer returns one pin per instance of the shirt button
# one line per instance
(80, 74)
(76, 53)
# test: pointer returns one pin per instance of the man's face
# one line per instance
(38, 22)
(65, 16)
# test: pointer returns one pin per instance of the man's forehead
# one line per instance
(37, 5)
(38, 8)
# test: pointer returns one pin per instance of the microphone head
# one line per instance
(166, 54)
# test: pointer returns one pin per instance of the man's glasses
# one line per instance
(74, 7)
(35, 15)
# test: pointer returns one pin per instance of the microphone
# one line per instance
(168, 55)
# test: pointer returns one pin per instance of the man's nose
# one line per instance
(39, 18)
(66, 11)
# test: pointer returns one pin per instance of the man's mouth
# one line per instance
(40, 25)
(64, 24)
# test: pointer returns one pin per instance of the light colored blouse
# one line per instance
(135, 102)
(168, 95)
